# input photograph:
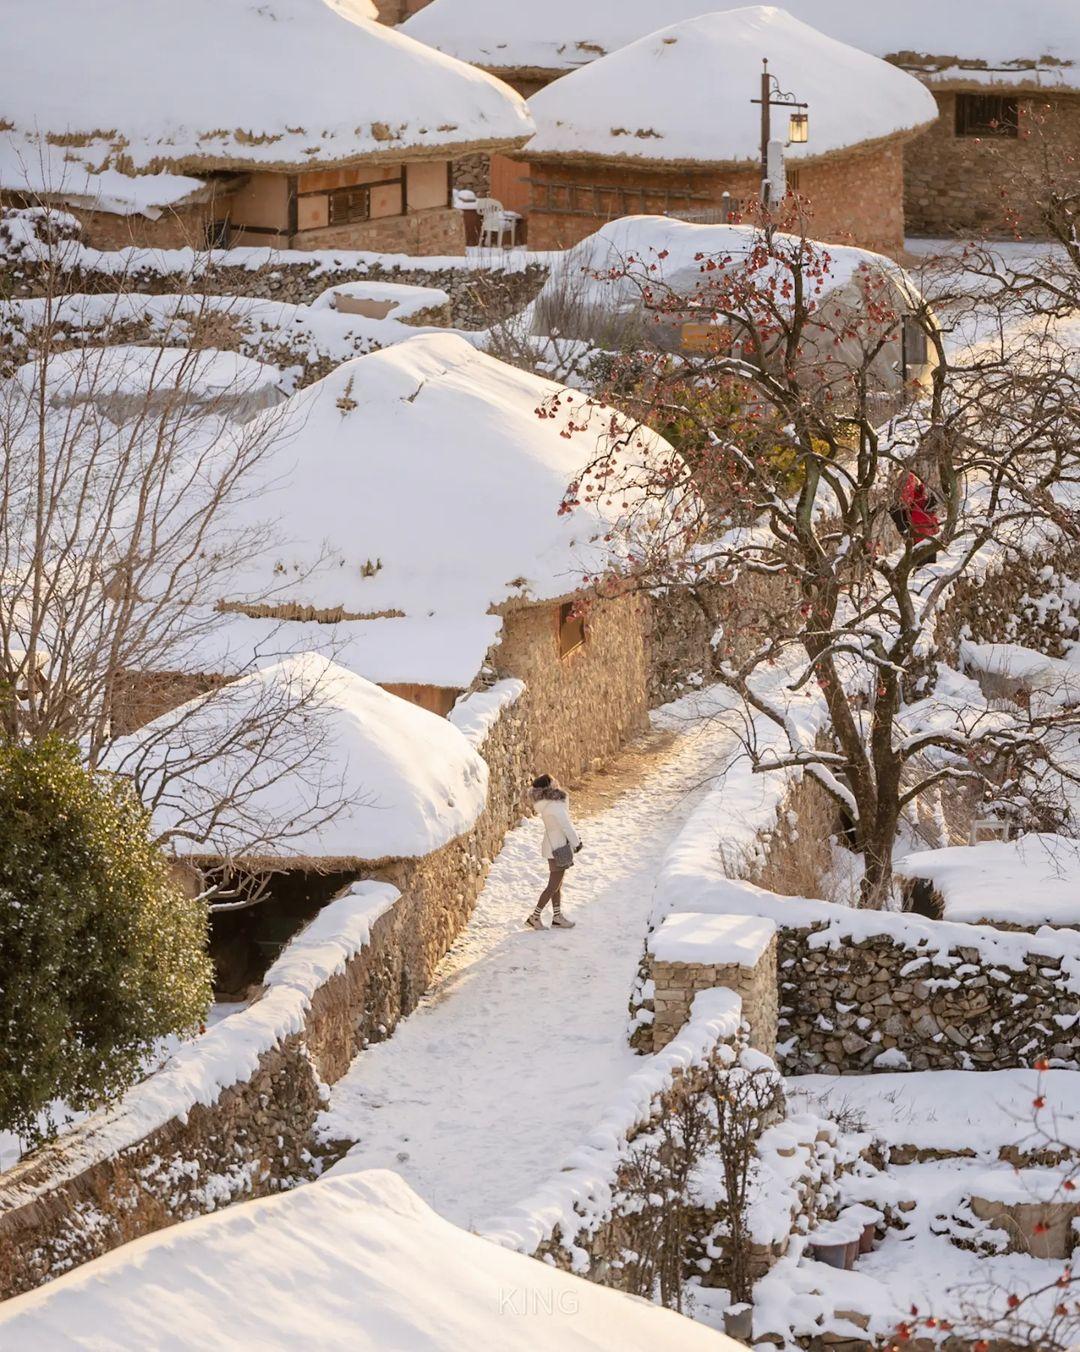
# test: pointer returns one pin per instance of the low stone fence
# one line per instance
(479, 294)
(230, 1115)
(867, 990)
(691, 953)
(573, 1220)
(902, 994)
(607, 1214)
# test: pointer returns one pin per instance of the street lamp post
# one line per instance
(772, 96)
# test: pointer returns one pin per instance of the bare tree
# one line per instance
(779, 419)
(125, 485)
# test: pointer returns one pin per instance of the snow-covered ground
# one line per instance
(356, 1264)
(515, 1051)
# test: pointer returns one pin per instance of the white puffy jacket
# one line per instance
(558, 828)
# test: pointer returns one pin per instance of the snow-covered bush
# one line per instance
(100, 953)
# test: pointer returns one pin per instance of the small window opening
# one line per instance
(571, 630)
(916, 346)
(348, 205)
(987, 115)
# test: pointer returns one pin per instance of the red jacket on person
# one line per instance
(918, 503)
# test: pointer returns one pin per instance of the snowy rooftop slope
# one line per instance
(43, 170)
(606, 269)
(219, 84)
(1031, 881)
(418, 481)
(356, 1262)
(408, 780)
(683, 94)
(991, 38)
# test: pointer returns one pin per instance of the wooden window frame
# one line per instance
(981, 115)
(335, 215)
(571, 631)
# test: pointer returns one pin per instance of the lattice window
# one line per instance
(987, 115)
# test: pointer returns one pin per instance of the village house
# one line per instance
(1006, 79)
(667, 126)
(415, 496)
(335, 131)
(358, 785)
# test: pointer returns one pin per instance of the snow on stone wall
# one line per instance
(230, 1115)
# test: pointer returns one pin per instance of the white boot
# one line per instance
(559, 921)
(534, 922)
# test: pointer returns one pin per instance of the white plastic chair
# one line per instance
(495, 222)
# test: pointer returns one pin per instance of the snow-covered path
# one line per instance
(511, 1057)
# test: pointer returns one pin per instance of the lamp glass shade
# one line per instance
(799, 129)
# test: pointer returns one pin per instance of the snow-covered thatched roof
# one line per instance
(155, 86)
(356, 1261)
(980, 41)
(607, 268)
(287, 745)
(415, 490)
(683, 94)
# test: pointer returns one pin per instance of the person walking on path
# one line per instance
(561, 842)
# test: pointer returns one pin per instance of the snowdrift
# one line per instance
(355, 1262)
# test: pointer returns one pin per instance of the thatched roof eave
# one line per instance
(659, 165)
(196, 165)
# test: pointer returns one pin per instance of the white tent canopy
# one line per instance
(991, 40)
(684, 94)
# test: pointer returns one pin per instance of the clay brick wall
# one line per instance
(432, 231)
(856, 198)
(437, 230)
(968, 184)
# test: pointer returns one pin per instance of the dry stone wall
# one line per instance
(850, 1005)
(104, 1183)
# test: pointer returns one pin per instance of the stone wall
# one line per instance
(677, 984)
(988, 184)
(850, 1005)
(113, 1178)
(582, 707)
(1033, 601)
(853, 198)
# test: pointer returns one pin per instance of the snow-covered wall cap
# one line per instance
(712, 940)
(148, 85)
(1031, 881)
(983, 41)
(683, 94)
(420, 481)
(408, 782)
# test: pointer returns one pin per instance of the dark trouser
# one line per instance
(553, 891)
